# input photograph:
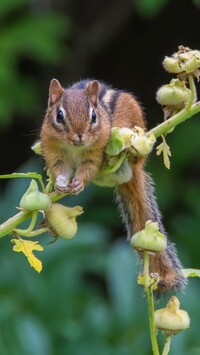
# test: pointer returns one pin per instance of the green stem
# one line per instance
(167, 345)
(36, 232)
(146, 270)
(173, 121)
(24, 175)
(26, 232)
(193, 96)
(150, 300)
(13, 222)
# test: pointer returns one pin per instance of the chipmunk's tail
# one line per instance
(138, 204)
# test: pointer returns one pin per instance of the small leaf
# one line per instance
(27, 247)
(191, 272)
(165, 150)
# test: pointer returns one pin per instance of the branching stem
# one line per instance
(149, 293)
(173, 121)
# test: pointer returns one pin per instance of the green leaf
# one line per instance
(191, 272)
(164, 149)
(115, 144)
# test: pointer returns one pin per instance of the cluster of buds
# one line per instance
(133, 140)
(185, 64)
(185, 61)
(61, 220)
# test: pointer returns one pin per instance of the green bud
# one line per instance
(149, 239)
(36, 147)
(174, 94)
(171, 65)
(172, 319)
(63, 219)
(33, 199)
(142, 143)
(192, 64)
(119, 140)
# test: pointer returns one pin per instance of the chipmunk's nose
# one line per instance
(78, 139)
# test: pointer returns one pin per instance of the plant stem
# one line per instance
(149, 293)
(193, 96)
(36, 232)
(24, 175)
(26, 232)
(173, 121)
(167, 345)
(13, 222)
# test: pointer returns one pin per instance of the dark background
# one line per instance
(86, 300)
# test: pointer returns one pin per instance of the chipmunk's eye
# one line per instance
(93, 117)
(60, 117)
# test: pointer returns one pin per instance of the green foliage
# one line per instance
(86, 300)
(149, 8)
(26, 34)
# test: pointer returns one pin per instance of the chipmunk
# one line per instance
(74, 135)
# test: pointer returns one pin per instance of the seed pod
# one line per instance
(173, 94)
(171, 319)
(63, 219)
(33, 199)
(149, 239)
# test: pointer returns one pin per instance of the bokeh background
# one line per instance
(86, 300)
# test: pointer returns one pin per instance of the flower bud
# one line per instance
(120, 138)
(171, 65)
(63, 219)
(185, 61)
(149, 239)
(141, 143)
(36, 147)
(174, 94)
(192, 64)
(33, 199)
(172, 319)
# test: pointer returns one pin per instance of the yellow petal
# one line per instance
(27, 247)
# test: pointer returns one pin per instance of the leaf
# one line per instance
(27, 247)
(191, 272)
(165, 150)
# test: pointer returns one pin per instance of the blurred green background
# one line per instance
(86, 300)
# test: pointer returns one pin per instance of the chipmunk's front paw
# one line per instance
(76, 186)
(62, 184)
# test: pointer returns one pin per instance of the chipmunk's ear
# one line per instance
(55, 91)
(92, 91)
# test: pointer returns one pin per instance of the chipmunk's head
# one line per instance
(74, 115)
